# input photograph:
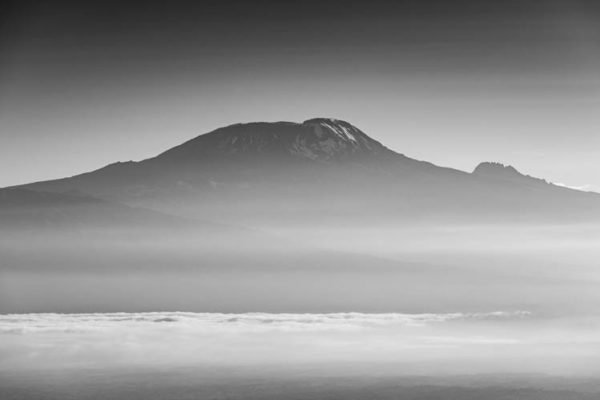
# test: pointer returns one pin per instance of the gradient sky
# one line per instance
(83, 84)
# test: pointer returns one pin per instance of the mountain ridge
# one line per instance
(322, 168)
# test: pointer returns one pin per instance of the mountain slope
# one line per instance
(315, 170)
(28, 209)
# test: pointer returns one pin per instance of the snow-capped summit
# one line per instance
(320, 139)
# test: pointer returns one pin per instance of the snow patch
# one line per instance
(340, 131)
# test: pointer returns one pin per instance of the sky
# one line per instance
(84, 84)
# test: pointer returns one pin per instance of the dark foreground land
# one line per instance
(198, 383)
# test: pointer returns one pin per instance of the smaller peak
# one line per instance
(505, 172)
(495, 168)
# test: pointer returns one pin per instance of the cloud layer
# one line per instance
(217, 322)
(501, 341)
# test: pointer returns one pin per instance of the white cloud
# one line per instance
(217, 322)
(172, 339)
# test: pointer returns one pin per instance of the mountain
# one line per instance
(319, 170)
(239, 155)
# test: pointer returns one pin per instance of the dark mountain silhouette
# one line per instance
(319, 139)
(495, 170)
(321, 169)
